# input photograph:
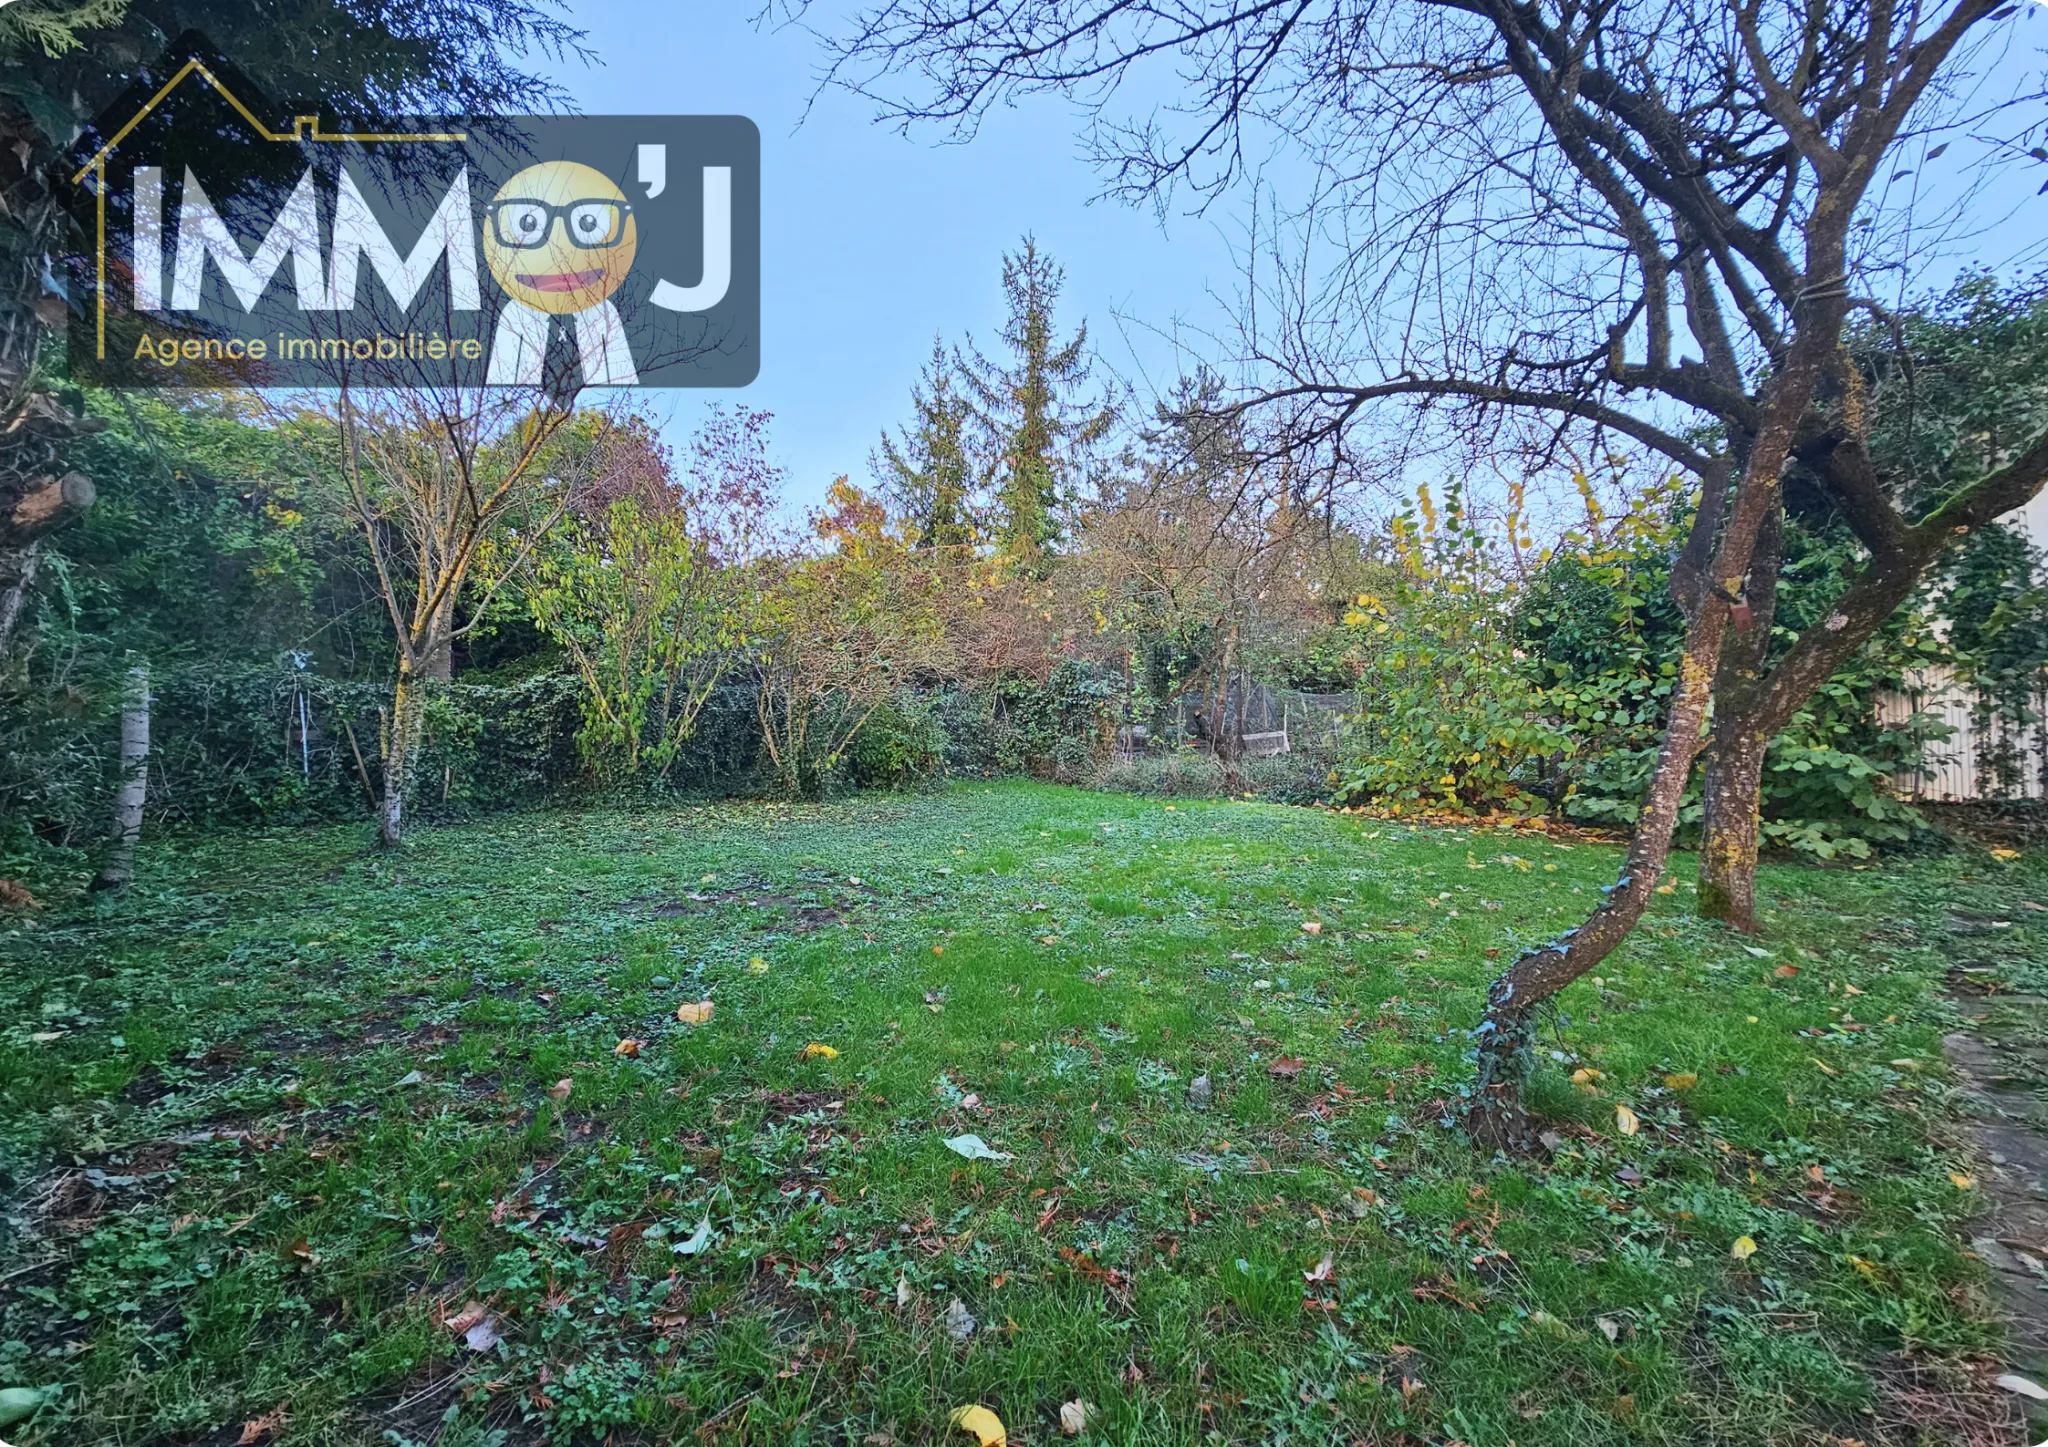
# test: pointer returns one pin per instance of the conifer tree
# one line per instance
(927, 470)
(1033, 406)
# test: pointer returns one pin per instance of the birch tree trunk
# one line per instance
(118, 867)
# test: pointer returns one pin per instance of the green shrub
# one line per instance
(1448, 715)
(903, 742)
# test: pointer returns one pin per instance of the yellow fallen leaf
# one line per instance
(1825, 1068)
(1585, 1075)
(1962, 1182)
(1863, 1266)
(2006, 854)
(757, 966)
(626, 1049)
(815, 1051)
(982, 1423)
(1744, 1248)
(695, 1013)
(1667, 889)
(1682, 1080)
(1625, 1120)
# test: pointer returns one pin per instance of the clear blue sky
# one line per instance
(872, 242)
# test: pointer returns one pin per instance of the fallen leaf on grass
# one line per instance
(2005, 854)
(815, 1051)
(1609, 1327)
(1626, 1121)
(257, 1428)
(698, 1013)
(13, 896)
(1286, 1067)
(757, 966)
(483, 1336)
(983, 1423)
(974, 1148)
(1786, 972)
(411, 1077)
(1324, 1269)
(1073, 1417)
(627, 1049)
(1311, 926)
(559, 1091)
(1962, 1182)
(1682, 1080)
(468, 1317)
(698, 1240)
(1744, 1248)
(1087, 1267)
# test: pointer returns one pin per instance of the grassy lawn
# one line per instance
(276, 1119)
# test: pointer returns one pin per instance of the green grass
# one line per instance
(225, 1198)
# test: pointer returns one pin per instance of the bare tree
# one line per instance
(435, 476)
(1643, 220)
(1201, 546)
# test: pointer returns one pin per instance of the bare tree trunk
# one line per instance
(1229, 733)
(1497, 1120)
(118, 867)
(401, 750)
(1733, 823)
(1715, 563)
(439, 665)
(1733, 783)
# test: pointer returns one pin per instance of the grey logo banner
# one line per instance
(216, 243)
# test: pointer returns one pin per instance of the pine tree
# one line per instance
(927, 471)
(1040, 426)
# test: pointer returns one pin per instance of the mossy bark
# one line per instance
(401, 751)
(1731, 830)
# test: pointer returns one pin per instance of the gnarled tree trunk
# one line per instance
(1732, 789)
(1731, 829)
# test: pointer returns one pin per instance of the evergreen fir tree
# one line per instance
(1040, 425)
(926, 471)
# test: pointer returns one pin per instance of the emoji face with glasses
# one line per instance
(559, 237)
